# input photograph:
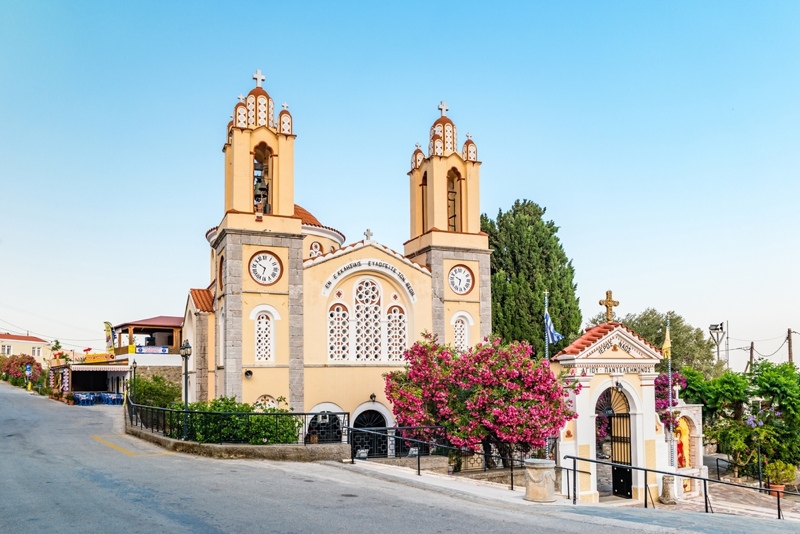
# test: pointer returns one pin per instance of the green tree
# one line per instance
(690, 346)
(156, 391)
(526, 261)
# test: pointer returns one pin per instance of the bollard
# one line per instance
(540, 480)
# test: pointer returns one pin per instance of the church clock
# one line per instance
(265, 268)
(460, 279)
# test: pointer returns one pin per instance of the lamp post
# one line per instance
(134, 380)
(186, 351)
(717, 331)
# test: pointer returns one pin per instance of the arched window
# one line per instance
(453, 201)
(368, 321)
(338, 332)
(264, 317)
(424, 203)
(262, 180)
(396, 333)
(461, 322)
(264, 337)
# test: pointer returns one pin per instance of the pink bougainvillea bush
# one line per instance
(662, 397)
(493, 392)
(14, 366)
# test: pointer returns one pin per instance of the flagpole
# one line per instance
(669, 396)
(546, 344)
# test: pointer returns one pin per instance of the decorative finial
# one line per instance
(258, 77)
(443, 108)
(285, 106)
(609, 303)
(368, 234)
(469, 135)
(241, 98)
(419, 146)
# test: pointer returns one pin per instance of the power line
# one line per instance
(774, 353)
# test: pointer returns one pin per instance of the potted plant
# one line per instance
(70, 399)
(779, 474)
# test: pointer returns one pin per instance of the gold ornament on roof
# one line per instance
(609, 303)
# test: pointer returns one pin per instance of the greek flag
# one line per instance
(550, 331)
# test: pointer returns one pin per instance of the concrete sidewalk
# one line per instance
(751, 513)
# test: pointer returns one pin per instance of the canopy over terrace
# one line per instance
(156, 335)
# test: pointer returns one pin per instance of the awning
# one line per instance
(119, 368)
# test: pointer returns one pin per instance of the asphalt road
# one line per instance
(72, 469)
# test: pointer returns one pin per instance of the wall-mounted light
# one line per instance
(372, 397)
(248, 374)
(618, 386)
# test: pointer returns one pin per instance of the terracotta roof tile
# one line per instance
(593, 334)
(15, 337)
(306, 217)
(203, 300)
(167, 321)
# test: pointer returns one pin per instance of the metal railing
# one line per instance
(706, 498)
(416, 442)
(254, 428)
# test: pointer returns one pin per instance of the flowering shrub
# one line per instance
(662, 397)
(491, 392)
(14, 367)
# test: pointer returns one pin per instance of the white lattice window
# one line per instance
(338, 332)
(251, 110)
(264, 318)
(368, 321)
(6, 350)
(264, 337)
(262, 110)
(460, 337)
(396, 332)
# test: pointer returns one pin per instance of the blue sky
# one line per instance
(661, 137)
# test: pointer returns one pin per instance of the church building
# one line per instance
(292, 310)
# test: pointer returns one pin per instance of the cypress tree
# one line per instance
(526, 261)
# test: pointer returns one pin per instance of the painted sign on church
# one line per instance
(369, 265)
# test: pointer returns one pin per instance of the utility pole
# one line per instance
(789, 335)
(752, 349)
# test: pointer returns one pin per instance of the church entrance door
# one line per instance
(620, 432)
(374, 421)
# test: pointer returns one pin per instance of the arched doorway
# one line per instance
(324, 427)
(613, 426)
(377, 445)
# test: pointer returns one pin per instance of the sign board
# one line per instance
(152, 349)
(413, 452)
(28, 369)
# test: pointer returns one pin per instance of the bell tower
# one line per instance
(257, 253)
(444, 194)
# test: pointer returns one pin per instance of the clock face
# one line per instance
(265, 268)
(460, 279)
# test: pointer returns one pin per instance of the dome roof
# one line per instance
(444, 134)
(257, 109)
(308, 219)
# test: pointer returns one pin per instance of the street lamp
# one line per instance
(134, 380)
(186, 351)
(717, 331)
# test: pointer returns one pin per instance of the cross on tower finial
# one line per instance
(258, 77)
(285, 105)
(419, 146)
(241, 97)
(443, 108)
(469, 135)
(368, 234)
(609, 303)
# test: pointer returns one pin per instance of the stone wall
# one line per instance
(171, 374)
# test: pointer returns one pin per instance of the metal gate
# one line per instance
(621, 477)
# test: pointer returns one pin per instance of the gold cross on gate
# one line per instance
(609, 303)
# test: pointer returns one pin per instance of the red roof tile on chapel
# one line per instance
(203, 300)
(594, 334)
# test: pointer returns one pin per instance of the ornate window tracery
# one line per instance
(396, 333)
(368, 321)
(461, 334)
(338, 332)
(264, 337)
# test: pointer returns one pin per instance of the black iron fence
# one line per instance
(778, 494)
(418, 442)
(254, 428)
